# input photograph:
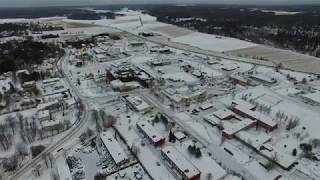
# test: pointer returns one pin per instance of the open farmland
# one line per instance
(289, 59)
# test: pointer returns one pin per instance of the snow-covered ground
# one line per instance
(131, 22)
(213, 42)
(183, 70)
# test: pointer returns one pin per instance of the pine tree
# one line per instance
(172, 138)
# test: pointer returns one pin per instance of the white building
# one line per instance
(114, 149)
(230, 129)
(180, 164)
(151, 133)
(138, 104)
(224, 114)
(43, 115)
(265, 79)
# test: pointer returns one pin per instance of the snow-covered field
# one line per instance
(13, 20)
(131, 23)
(213, 42)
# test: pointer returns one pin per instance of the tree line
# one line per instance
(15, 55)
(300, 32)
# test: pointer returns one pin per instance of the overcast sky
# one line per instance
(16, 3)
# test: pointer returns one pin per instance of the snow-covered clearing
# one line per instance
(213, 42)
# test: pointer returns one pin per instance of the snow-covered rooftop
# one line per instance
(283, 159)
(232, 128)
(47, 81)
(243, 103)
(180, 161)
(223, 113)
(212, 119)
(256, 115)
(113, 147)
(150, 131)
(43, 114)
(264, 78)
(138, 103)
(50, 123)
(253, 139)
(206, 106)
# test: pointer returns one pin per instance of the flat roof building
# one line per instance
(44, 115)
(232, 128)
(52, 80)
(114, 149)
(263, 79)
(224, 114)
(151, 133)
(180, 164)
(205, 106)
(284, 160)
(139, 104)
(212, 119)
(244, 103)
(263, 120)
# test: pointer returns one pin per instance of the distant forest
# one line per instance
(38, 12)
(300, 32)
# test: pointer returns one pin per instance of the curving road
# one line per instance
(73, 132)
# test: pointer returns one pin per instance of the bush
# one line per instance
(71, 161)
(305, 147)
(194, 150)
(114, 37)
(294, 152)
(198, 153)
(315, 142)
(292, 124)
(36, 150)
(11, 163)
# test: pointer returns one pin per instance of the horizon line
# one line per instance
(176, 4)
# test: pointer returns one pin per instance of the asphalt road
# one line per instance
(73, 132)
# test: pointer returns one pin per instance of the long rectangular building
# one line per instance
(180, 164)
(263, 120)
(152, 134)
(114, 149)
(230, 130)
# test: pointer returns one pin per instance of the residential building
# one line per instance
(152, 134)
(180, 164)
(113, 148)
